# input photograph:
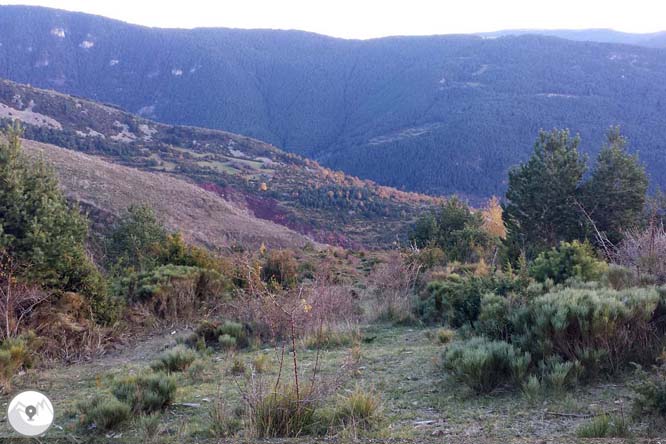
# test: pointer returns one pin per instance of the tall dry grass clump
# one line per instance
(391, 287)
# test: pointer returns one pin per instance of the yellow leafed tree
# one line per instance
(492, 218)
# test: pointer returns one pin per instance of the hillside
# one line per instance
(438, 114)
(649, 40)
(105, 190)
(267, 183)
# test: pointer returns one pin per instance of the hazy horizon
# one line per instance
(372, 19)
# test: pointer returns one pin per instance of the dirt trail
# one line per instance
(140, 350)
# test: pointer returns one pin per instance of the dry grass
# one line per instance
(400, 364)
(203, 217)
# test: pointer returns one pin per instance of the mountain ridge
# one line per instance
(437, 114)
(327, 206)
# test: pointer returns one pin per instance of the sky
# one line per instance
(377, 18)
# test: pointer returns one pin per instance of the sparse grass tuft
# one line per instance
(238, 366)
(222, 423)
(329, 337)
(261, 363)
(445, 335)
(281, 414)
(361, 408)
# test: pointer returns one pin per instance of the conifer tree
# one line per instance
(38, 228)
(540, 209)
(615, 195)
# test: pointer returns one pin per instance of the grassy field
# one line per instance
(420, 404)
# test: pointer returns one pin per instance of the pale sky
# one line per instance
(377, 18)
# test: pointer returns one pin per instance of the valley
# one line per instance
(470, 104)
(261, 180)
(219, 235)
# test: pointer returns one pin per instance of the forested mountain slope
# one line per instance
(263, 181)
(439, 114)
(650, 40)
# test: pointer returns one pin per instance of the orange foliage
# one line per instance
(492, 218)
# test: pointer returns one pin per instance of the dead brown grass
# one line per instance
(204, 218)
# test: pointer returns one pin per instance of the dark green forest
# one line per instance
(442, 114)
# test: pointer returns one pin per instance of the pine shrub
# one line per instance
(568, 260)
(103, 413)
(225, 335)
(146, 393)
(177, 359)
(15, 354)
(483, 364)
(601, 329)
(650, 390)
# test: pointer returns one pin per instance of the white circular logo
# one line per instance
(30, 413)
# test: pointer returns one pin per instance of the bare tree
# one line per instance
(392, 286)
(645, 251)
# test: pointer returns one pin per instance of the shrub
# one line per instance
(282, 414)
(532, 389)
(15, 354)
(280, 267)
(328, 337)
(494, 319)
(650, 392)
(197, 370)
(445, 335)
(145, 393)
(602, 329)
(226, 342)
(568, 260)
(261, 363)
(103, 413)
(177, 359)
(225, 335)
(604, 426)
(483, 365)
(150, 427)
(455, 229)
(360, 408)
(559, 375)
(237, 366)
(457, 300)
(621, 278)
(169, 291)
